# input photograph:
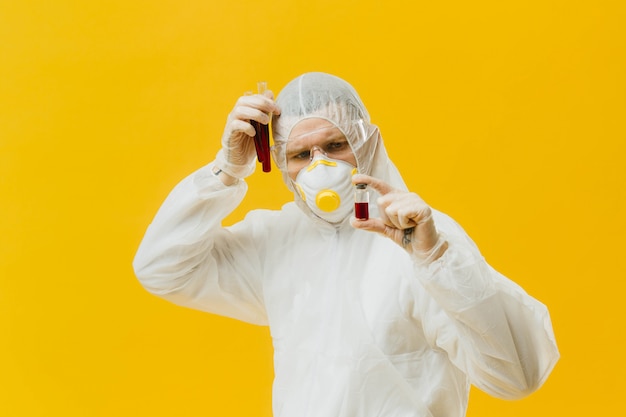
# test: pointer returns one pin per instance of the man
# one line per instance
(391, 316)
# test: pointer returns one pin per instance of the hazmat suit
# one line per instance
(360, 326)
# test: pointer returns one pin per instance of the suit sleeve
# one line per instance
(188, 258)
(501, 337)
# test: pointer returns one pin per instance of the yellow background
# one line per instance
(509, 116)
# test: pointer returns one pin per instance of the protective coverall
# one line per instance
(359, 327)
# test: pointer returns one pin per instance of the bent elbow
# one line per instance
(142, 270)
(526, 382)
(521, 389)
(152, 278)
(509, 388)
(536, 379)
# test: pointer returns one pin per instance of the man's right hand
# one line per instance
(238, 153)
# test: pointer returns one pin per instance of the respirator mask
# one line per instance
(325, 185)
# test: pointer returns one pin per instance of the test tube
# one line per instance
(361, 202)
(257, 142)
(262, 137)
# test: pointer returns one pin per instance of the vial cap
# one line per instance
(327, 200)
(361, 186)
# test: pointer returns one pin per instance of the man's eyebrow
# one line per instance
(334, 135)
(296, 150)
(339, 136)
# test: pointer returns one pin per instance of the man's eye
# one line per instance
(336, 146)
(302, 155)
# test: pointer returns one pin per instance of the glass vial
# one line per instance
(361, 202)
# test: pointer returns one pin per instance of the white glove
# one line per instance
(404, 218)
(238, 155)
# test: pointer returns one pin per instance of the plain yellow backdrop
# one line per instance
(509, 116)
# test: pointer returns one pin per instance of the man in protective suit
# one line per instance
(391, 316)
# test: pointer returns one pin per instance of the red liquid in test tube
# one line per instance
(262, 137)
(261, 141)
(257, 142)
(263, 133)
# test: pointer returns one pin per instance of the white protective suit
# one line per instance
(359, 328)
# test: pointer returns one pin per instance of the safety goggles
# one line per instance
(337, 142)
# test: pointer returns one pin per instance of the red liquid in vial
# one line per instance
(361, 211)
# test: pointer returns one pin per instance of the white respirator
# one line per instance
(325, 185)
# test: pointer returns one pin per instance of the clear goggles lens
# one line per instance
(337, 142)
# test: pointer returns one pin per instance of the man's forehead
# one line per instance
(313, 127)
(315, 136)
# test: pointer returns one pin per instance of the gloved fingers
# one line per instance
(404, 209)
(379, 185)
(383, 189)
(237, 156)
(422, 241)
(398, 209)
(247, 113)
(388, 224)
(379, 226)
(404, 217)
(251, 107)
(390, 217)
(248, 108)
(240, 126)
(273, 107)
(376, 225)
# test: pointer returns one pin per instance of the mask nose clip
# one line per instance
(314, 149)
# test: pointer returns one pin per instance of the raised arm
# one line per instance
(186, 256)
